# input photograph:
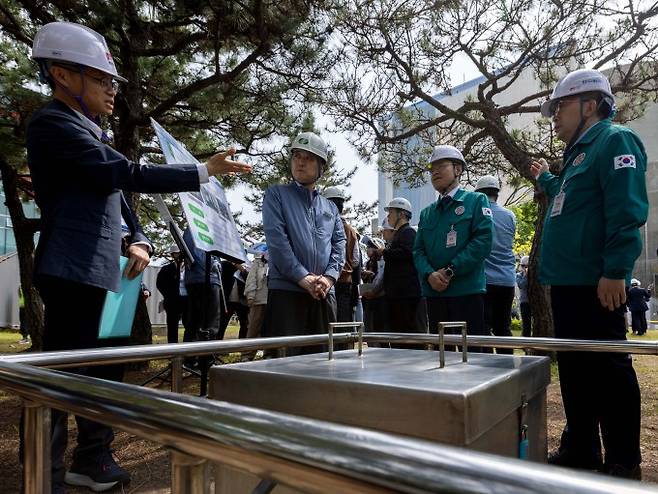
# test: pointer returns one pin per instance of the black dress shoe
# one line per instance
(616, 470)
(565, 458)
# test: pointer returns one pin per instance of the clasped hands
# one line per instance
(439, 280)
(317, 286)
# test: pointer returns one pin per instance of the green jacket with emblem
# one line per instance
(596, 233)
(469, 215)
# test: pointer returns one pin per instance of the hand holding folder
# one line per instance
(119, 308)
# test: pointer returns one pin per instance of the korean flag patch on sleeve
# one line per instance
(486, 212)
(624, 161)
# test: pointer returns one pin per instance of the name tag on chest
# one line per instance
(558, 204)
(451, 238)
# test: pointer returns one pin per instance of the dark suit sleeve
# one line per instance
(77, 159)
(402, 249)
(131, 219)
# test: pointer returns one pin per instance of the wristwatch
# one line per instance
(450, 270)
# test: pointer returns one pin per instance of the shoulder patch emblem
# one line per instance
(579, 159)
(459, 210)
(624, 161)
(486, 212)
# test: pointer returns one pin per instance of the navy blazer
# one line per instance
(77, 182)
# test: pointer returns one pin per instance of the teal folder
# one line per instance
(119, 308)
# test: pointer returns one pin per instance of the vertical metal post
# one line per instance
(464, 345)
(442, 346)
(36, 448)
(189, 474)
(331, 341)
(177, 374)
(360, 342)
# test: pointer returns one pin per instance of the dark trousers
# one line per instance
(375, 318)
(498, 312)
(202, 316)
(344, 307)
(71, 320)
(598, 389)
(468, 308)
(405, 316)
(526, 319)
(242, 311)
(639, 321)
(291, 313)
(175, 311)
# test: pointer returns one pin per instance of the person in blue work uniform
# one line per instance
(500, 265)
(637, 305)
(524, 300)
(306, 247)
(590, 241)
(454, 238)
(78, 181)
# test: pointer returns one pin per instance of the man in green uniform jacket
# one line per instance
(590, 242)
(454, 238)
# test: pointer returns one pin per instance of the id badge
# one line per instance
(451, 238)
(558, 204)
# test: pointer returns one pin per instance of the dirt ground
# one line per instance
(149, 463)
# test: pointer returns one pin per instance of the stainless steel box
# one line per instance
(482, 404)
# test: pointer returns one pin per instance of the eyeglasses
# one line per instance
(104, 82)
(439, 165)
(557, 105)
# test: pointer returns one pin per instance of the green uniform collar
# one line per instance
(457, 197)
(592, 133)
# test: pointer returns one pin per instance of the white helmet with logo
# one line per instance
(76, 44)
(578, 82)
(447, 152)
(525, 260)
(399, 203)
(311, 142)
(377, 243)
(635, 282)
(487, 182)
(334, 193)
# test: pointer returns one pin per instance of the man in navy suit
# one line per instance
(78, 180)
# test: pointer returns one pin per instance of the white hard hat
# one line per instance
(311, 142)
(334, 193)
(578, 82)
(525, 260)
(74, 43)
(399, 203)
(173, 249)
(487, 182)
(446, 152)
(635, 282)
(378, 243)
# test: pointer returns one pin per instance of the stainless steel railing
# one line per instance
(309, 455)
(87, 397)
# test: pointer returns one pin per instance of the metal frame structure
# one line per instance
(309, 455)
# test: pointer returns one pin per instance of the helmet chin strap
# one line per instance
(577, 132)
(83, 106)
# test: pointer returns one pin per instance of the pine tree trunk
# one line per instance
(538, 295)
(24, 230)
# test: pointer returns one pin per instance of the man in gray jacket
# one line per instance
(306, 247)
